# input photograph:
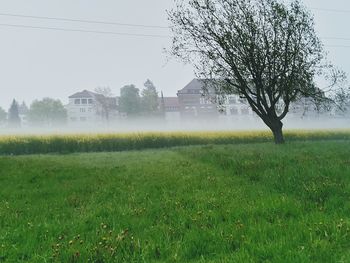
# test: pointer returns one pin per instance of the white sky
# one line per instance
(41, 63)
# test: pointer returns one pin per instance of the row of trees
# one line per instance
(49, 112)
(41, 112)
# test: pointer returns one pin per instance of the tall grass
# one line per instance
(41, 144)
(229, 203)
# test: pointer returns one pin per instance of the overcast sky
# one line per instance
(45, 63)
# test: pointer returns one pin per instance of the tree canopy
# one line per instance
(149, 99)
(130, 101)
(48, 112)
(264, 50)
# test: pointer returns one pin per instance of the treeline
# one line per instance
(51, 112)
(45, 112)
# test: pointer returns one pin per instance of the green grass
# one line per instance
(228, 203)
(26, 144)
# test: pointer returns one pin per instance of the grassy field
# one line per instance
(228, 203)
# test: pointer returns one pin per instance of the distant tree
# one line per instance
(149, 99)
(47, 112)
(130, 101)
(106, 102)
(266, 51)
(23, 108)
(3, 115)
(14, 120)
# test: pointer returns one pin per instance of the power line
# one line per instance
(82, 31)
(127, 24)
(131, 34)
(83, 21)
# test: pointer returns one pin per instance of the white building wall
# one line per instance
(82, 110)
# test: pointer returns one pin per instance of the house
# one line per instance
(87, 106)
(194, 103)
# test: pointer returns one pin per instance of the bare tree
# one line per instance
(105, 91)
(106, 102)
(263, 50)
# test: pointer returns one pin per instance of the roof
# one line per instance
(84, 94)
(98, 97)
(196, 86)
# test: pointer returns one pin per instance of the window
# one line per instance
(90, 101)
(82, 118)
(82, 110)
(89, 109)
(77, 101)
(73, 119)
(83, 101)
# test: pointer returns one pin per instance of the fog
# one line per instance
(209, 125)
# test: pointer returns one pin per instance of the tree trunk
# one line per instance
(277, 132)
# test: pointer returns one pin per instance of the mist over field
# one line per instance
(151, 125)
